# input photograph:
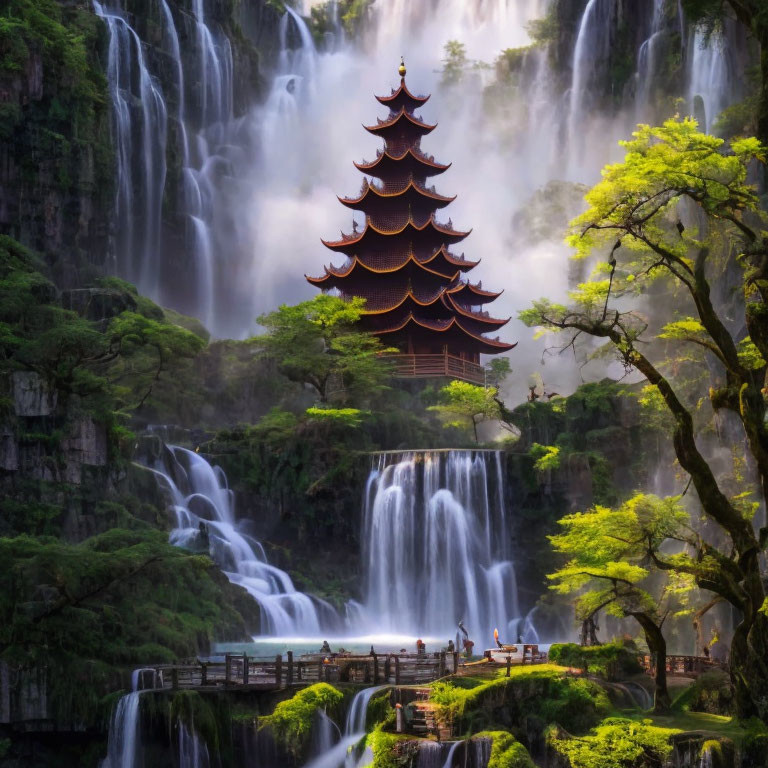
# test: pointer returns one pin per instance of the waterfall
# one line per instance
(205, 517)
(435, 545)
(648, 59)
(710, 78)
(193, 752)
(449, 757)
(140, 135)
(340, 754)
(139, 110)
(124, 741)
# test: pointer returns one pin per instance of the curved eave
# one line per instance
(481, 294)
(430, 222)
(409, 296)
(492, 345)
(369, 167)
(401, 92)
(424, 128)
(352, 202)
(462, 265)
(356, 263)
(495, 322)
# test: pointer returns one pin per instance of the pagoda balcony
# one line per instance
(430, 366)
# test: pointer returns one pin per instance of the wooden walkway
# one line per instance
(257, 673)
(686, 666)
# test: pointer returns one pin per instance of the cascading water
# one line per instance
(436, 549)
(340, 755)
(139, 111)
(204, 123)
(124, 744)
(204, 508)
(193, 752)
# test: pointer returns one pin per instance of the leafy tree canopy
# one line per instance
(319, 343)
(676, 210)
(466, 405)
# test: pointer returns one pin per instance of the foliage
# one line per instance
(547, 457)
(673, 174)
(107, 369)
(497, 370)
(546, 30)
(386, 748)
(64, 126)
(605, 548)
(318, 343)
(611, 661)
(455, 61)
(617, 743)
(348, 417)
(465, 405)
(711, 692)
(291, 721)
(506, 750)
(607, 551)
(543, 692)
(120, 598)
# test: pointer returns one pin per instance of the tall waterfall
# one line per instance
(436, 547)
(139, 112)
(258, 191)
(205, 517)
(203, 124)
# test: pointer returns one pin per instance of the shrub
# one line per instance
(506, 750)
(611, 661)
(616, 743)
(291, 722)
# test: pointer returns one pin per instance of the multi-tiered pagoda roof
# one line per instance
(418, 298)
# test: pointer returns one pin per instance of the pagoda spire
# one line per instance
(400, 262)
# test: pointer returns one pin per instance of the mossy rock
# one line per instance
(291, 721)
(506, 750)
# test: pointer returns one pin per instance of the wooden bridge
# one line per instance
(686, 666)
(276, 672)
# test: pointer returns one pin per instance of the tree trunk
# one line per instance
(657, 645)
(748, 666)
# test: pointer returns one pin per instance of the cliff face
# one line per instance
(59, 164)
(55, 153)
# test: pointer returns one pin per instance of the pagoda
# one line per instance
(418, 298)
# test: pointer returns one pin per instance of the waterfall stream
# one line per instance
(205, 518)
(436, 548)
(245, 181)
(340, 755)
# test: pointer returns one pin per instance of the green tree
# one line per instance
(606, 551)
(466, 405)
(455, 62)
(319, 343)
(669, 173)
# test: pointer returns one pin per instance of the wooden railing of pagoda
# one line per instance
(240, 670)
(422, 366)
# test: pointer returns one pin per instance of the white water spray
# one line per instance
(435, 546)
(204, 508)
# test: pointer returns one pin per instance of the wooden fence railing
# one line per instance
(422, 366)
(278, 672)
(681, 665)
